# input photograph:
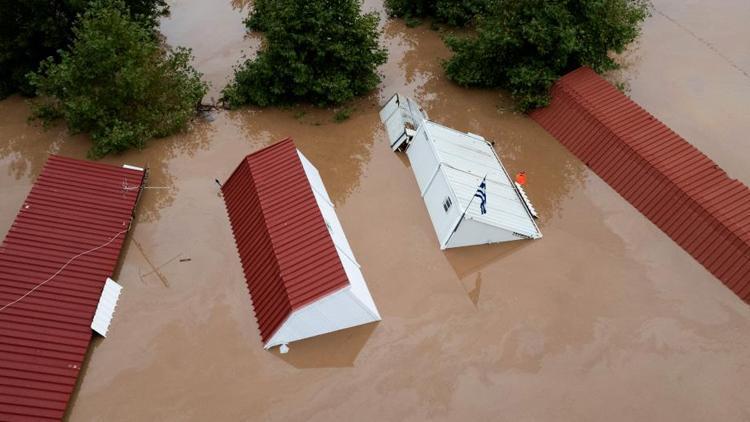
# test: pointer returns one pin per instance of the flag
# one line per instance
(482, 195)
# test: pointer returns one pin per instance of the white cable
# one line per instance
(63, 267)
(127, 188)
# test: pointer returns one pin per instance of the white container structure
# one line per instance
(449, 167)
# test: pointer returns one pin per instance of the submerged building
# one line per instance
(55, 287)
(470, 197)
(302, 275)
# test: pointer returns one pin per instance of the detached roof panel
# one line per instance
(74, 206)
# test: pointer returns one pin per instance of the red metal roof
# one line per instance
(671, 182)
(74, 206)
(287, 253)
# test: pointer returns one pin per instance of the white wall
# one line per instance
(443, 222)
(334, 312)
(423, 161)
(471, 232)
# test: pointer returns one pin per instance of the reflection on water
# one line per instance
(162, 184)
(215, 33)
(407, 68)
(241, 5)
(319, 139)
(335, 350)
(25, 146)
(690, 69)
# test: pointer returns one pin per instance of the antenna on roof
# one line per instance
(218, 183)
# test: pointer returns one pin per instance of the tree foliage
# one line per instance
(117, 83)
(317, 51)
(524, 46)
(32, 30)
(452, 12)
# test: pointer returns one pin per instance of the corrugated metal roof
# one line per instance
(287, 253)
(74, 206)
(671, 182)
(466, 159)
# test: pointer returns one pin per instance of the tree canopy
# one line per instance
(32, 30)
(451, 12)
(117, 82)
(524, 46)
(316, 51)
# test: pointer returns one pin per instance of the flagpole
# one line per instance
(484, 179)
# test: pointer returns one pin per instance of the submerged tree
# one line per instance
(32, 30)
(322, 52)
(452, 12)
(524, 46)
(117, 82)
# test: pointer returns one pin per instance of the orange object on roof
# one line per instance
(521, 178)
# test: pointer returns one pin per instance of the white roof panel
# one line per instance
(106, 308)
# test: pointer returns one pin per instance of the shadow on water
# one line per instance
(334, 350)
(468, 262)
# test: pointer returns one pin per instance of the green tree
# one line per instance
(316, 51)
(524, 46)
(32, 30)
(117, 83)
(452, 12)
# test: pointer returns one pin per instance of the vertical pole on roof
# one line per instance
(464, 213)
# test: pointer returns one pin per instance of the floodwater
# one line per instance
(691, 69)
(605, 318)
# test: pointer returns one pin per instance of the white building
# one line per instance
(449, 167)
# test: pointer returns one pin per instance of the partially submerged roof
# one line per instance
(74, 206)
(450, 167)
(466, 159)
(287, 253)
(671, 182)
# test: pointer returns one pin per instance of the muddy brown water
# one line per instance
(605, 318)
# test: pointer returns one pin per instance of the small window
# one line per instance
(447, 204)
